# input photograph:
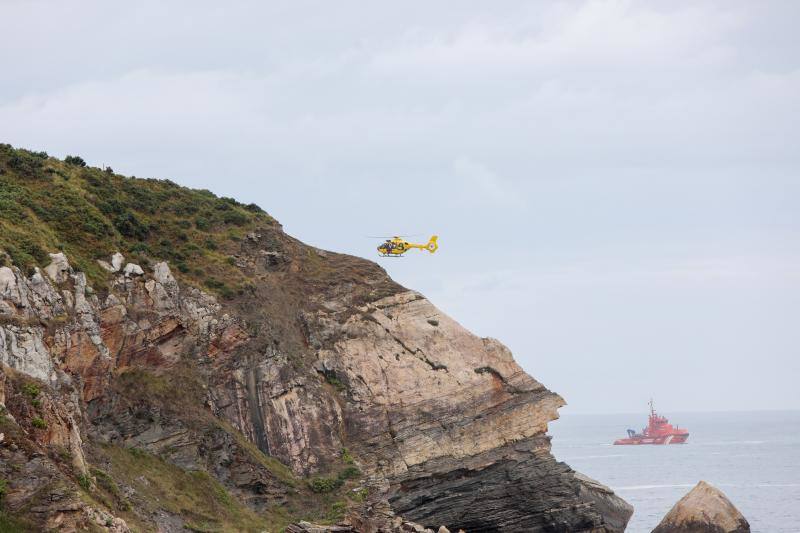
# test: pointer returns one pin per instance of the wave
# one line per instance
(730, 442)
(650, 487)
(567, 459)
(722, 485)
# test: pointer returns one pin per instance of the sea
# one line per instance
(753, 457)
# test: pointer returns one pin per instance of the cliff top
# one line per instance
(47, 204)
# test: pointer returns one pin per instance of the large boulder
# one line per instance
(705, 509)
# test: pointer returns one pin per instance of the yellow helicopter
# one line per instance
(397, 246)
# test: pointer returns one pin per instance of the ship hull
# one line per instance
(661, 439)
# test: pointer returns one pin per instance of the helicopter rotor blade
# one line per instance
(392, 236)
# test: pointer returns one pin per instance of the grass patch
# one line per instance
(201, 501)
(10, 524)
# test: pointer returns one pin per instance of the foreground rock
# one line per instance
(614, 509)
(705, 509)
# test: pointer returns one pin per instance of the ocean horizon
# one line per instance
(752, 456)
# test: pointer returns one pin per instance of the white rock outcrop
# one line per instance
(23, 349)
(117, 260)
(132, 269)
(58, 270)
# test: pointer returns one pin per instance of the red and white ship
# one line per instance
(658, 431)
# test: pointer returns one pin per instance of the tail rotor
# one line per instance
(432, 245)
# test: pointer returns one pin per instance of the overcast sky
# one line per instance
(616, 184)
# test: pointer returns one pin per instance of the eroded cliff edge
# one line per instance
(378, 404)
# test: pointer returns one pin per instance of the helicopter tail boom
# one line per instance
(431, 246)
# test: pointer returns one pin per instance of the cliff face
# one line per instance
(319, 390)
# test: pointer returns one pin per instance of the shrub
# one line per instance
(346, 457)
(331, 379)
(31, 389)
(85, 482)
(141, 248)
(337, 510)
(324, 484)
(26, 163)
(137, 452)
(130, 226)
(38, 422)
(75, 160)
(235, 217)
(213, 283)
(360, 495)
(349, 473)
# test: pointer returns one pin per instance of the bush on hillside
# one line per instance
(75, 160)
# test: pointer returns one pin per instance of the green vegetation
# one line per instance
(329, 484)
(360, 495)
(85, 482)
(202, 502)
(337, 510)
(75, 160)
(346, 457)
(10, 524)
(332, 380)
(48, 205)
(31, 390)
(324, 484)
(38, 422)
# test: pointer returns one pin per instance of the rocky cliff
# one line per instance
(182, 362)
